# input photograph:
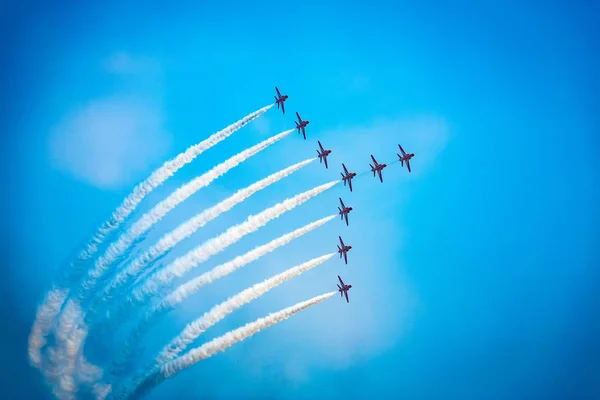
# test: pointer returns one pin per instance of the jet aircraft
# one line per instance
(343, 250)
(323, 154)
(280, 100)
(377, 168)
(348, 177)
(344, 211)
(301, 125)
(344, 289)
(405, 157)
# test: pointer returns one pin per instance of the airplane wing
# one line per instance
(346, 215)
(345, 169)
(380, 176)
(346, 293)
(402, 150)
(341, 281)
(298, 115)
(283, 107)
(341, 202)
(374, 160)
(350, 184)
(304, 133)
(346, 257)
(408, 165)
(341, 241)
(325, 159)
(278, 93)
(320, 145)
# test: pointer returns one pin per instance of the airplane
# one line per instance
(405, 157)
(323, 154)
(344, 289)
(343, 250)
(348, 177)
(279, 99)
(301, 125)
(344, 211)
(377, 168)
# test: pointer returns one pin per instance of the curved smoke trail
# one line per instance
(186, 229)
(219, 344)
(192, 286)
(125, 240)
(218, 312)
(117, 249)
(203, 252)
(54, 299)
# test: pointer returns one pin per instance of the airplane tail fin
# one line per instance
(340, 251)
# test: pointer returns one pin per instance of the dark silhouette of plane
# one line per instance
(301, 125)
(280, 100)
(344, 289)
(344, 211)
(405, 157)
(377, 168)
(343, 250)
(323, 154)
(348, 177)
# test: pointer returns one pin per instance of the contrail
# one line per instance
(218, 312)
(186, 229)
(203, 252)
(116, 249)
(54, 299)
(219, 344)
(187, 289)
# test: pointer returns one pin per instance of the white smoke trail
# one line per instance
(230, 338)
(201, 253)
(192, 286)
(52, 303)
(186, 229)
(218, 312)
(219, 344)
(63, 359)
(116, 249)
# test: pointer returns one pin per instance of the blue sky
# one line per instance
(474, 277)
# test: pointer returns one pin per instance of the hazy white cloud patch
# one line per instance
(424, 135)
(262, 125)
(124, 63)
(109, 142)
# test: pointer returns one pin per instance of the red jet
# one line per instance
(344, 289)
(344, 211)
(348, 177)
(301, 125)
(405, 157)
(343, 250)
(279, 99)
(377, 168)
(323, 154)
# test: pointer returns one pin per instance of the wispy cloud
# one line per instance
(262, 126)
(425, 135)
(124, 63)
(108, 142)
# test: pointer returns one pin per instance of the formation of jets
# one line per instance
(347, 177)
